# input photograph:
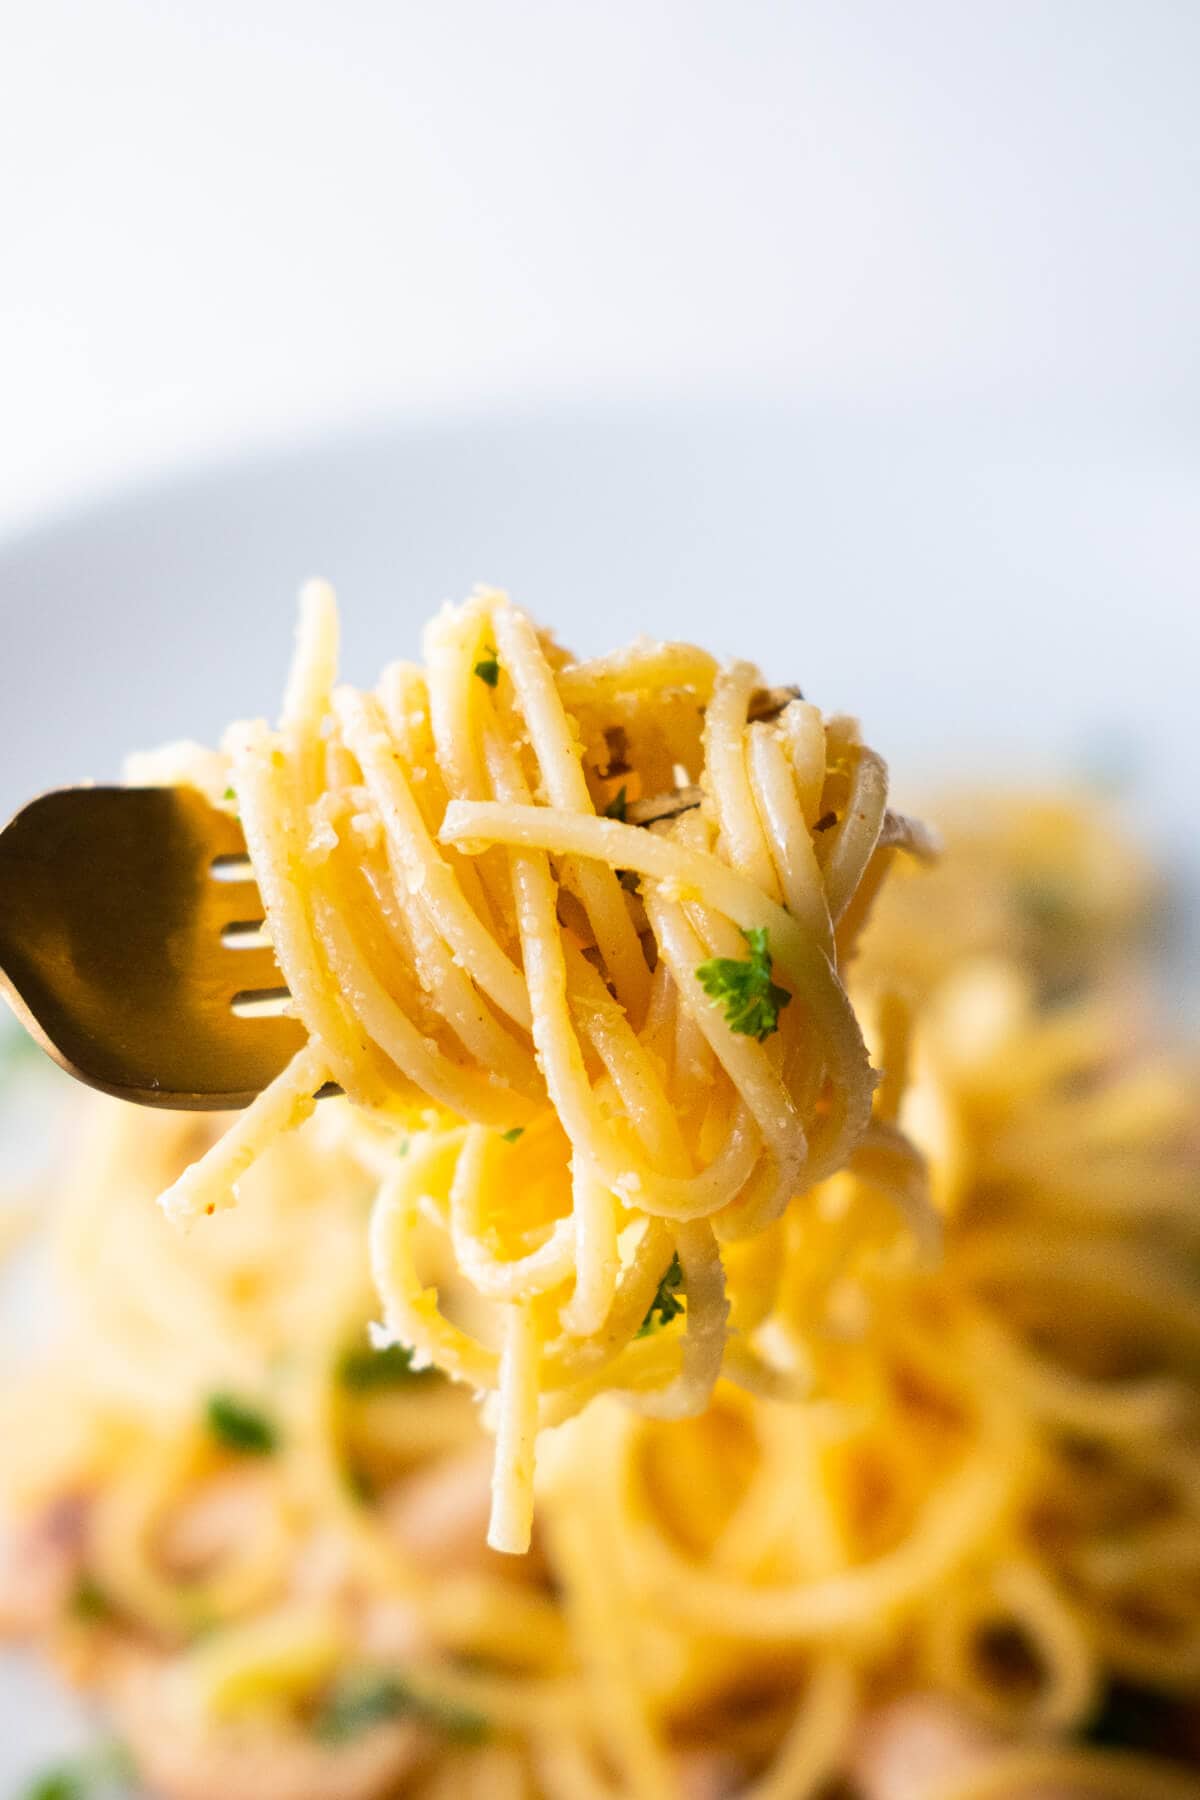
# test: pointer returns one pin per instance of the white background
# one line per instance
(857, 333)
(226, 222)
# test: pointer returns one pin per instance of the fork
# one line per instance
(132, 944)
(132, 941)
(132, 947)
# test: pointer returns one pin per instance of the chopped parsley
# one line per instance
(359, 1484)
(229, 794)
(617, 806)
(240, 1427)
(510, 1137)
(359, 1701)
(488, 667)
(101, 1774)
(88, 1601)
(666, 1304)
(1045, 904)
(367, 1369)
(752, 1001)
(402, 1147)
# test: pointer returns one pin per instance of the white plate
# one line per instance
(970, 596)
(975, 599)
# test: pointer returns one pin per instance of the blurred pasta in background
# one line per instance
(973, 1552)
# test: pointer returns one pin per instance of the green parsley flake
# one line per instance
(101, 1774)
(752, 1001)
(359, 1701)
(666, 1304)
(510, 1137)
(617, 806)
(88, 1601)
(488, 668)
(365, 1370)
(229, 794)
(240, 1427)
(67, 1782)
(1045, 904)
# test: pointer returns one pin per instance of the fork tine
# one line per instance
(233, 902)
(257, 968)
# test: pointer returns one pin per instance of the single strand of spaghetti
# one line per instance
(417, 862)
(813, 1750)
(749, 1370)
(511, 1522)
(855, 837)
(410, 1309)
(454, 642)
(549, 1266)
(275, 841)
(695, 1067)
(644, 666)
(457, 642)
(211, 1184)
(791, 848)
(457, 999)
(482, 1098)
(803, 731)
(890, 1163)
(597, 1258)
(705, 1328)
(558, 753)
(404, 696)
(726, 779)
(764, 1199)
(634, 1074)
(644, 1365)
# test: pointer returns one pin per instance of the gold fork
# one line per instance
(132, 944)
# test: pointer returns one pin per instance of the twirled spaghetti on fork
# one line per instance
(612, 1052)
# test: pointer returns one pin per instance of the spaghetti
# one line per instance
(642, 1028)
(935, 1533)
